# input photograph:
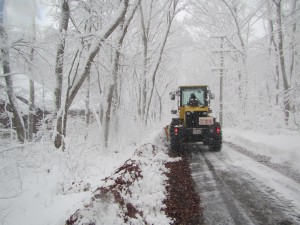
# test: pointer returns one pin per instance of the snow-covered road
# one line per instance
(238, 188)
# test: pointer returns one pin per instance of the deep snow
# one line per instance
(282, 149)
(41, 185)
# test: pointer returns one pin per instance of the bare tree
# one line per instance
(286, 102)
(63, 27)
(31, 110)
(145, 40)
(156, 18)
(171, 13)
(114, 76)
(293, 49)
(18, 120)
(273, 43)
(80, 76)
(31, 124)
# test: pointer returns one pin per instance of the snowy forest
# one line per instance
(81, 80)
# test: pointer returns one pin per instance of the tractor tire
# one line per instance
(215, 143)
(175, 144)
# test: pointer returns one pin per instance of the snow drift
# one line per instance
(134, 194)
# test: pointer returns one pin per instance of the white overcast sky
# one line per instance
(21, 13)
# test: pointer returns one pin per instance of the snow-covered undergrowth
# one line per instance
(134, 194)
(41, 185)
(281, 148)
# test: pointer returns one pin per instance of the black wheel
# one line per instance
(175, 144)
(215, 143)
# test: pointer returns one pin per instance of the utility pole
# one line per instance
(222, 70)
(221, 81)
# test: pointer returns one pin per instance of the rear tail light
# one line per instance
(218, 130)
(176, 130)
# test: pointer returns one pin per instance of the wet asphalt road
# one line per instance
(236, 188)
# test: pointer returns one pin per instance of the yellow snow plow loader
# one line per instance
(193, 121)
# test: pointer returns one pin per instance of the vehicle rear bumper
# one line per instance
(193, 134)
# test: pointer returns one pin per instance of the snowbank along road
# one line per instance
(238, 188)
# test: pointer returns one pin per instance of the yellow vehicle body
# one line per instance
(194, 122)
(184, 109)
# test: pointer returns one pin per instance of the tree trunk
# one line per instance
(272, 42)
(115, 72)
(58, 136)
(145, 30)
(31, 112)
(101, 114)
(88, 28)
(293, 40)
(18, 120)
(87, 102)
(63, 27)
(282, 61)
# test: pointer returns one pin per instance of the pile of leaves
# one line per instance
(183, 203)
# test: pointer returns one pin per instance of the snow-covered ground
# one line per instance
(282, 149)
(37, 182)
(41, 185)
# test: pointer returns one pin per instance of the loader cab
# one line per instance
(183, 94)
(200, 92)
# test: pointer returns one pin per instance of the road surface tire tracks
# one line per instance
(281, 168)
(245, 202)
